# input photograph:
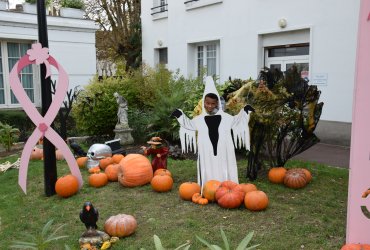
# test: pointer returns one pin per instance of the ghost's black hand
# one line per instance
(248, 108)
(176, 113)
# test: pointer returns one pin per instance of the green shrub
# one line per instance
(8, 135)
(20, 120)
(75, 4)
(47, 2)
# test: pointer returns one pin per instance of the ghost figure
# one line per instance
(214, 142)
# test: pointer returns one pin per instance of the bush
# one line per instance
(47, 2)
(20, 120)
(75, 4)
(8, 135)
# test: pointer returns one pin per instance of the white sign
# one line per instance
(320, 79)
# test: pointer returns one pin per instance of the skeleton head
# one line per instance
(99, 151)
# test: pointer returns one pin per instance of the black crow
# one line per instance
(89, 215)
(77, 150)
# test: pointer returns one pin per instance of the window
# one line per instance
(162, 56)
(207, 59)
(10, 53)
(159, 6)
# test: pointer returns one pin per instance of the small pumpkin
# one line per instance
(277, 174)
(120, 225)
(135, 170)
(37, 154)
(58, 155)
(66, 186)
(195, 198)
(112, 172)
(103, 163)
(98, 180)
(209, 189)
(94, 170)
(81, 161)
(229, 195)
(162, 182)
(295, 178)
(203, 201)
(162, 170)
(248, 187)
(187, 189)
(256, 200)
(117, 158)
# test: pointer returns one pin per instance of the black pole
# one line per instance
(50, 166)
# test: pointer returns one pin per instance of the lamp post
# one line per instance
(50, 170)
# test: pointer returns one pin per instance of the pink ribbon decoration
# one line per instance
(38, 55)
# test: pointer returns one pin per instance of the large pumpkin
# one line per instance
(98, 180)
(355, 247)
(162, 182)
(120, 225)
(276, 175)
(187, 189)
(112, 172)
(229, 195)
(295, 178)
(248, 187)
(135, 170)
(307, 173)
(66, 186)
(256, 200)
(209, 189)
(81, 161)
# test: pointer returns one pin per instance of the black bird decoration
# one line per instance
(89, 215)
(77, 150)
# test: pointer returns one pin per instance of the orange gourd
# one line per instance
(98, 180)
(66, 186)
(162, 182)
(81, 161)
(120, 225)
(187, 189)
(229, 195)
(203, 201)
(117, 158)
(276, 175)
(135, 170)
(295, 178)
(256, 200)
(162, 170)
(195, 198)
(112, 172)
(209, 189)
(248, 187)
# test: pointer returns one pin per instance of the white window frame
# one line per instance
(6, 72)
(160, 9)
(205, 57)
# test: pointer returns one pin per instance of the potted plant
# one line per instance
(29, 6)
(72, 8)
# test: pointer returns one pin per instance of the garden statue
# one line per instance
(89, 216)
(214, 141)
(158, 152)
(122, 129)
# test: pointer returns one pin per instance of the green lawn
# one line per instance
(310, 218)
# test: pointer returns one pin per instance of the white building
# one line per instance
(71, 43)
(238, 37)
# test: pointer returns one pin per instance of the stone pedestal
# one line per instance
(123, 132)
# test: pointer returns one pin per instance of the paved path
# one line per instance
(328, 154)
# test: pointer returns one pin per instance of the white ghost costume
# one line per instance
(211, 137)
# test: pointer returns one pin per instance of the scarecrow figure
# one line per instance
(158, 153)
(210, 135)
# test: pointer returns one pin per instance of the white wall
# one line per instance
(239, 26)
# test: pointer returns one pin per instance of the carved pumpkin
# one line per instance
(135, 170)
(276, 175)
(248, 187)
(37, 154)
(229, 195)
(116, 158)
(98, 180)
(195, 198)
(66, 186)
(256, 200)
(162, 182)
(162, 170)
(81, 161)
(120, 225)
(112, 172)
(209, 189)
(295, 178)
(103, 163)
(187, 189)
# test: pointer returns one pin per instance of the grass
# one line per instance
(309, 218)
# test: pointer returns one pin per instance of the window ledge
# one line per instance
(160, 15)
(201, 3)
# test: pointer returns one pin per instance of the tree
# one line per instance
(121, 25)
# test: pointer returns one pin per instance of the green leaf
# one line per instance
(244, 243)
(215, 247)
(252, 247)
(183, 245)
(46, 228)
(50, 237)
(205, 243)
(224, 238)
(158, 243)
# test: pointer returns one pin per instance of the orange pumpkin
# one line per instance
(120, 225)
(117, 158)
(112, 172)
(308, 174)
(94, 170)
(256, 200)
(162, 170)
(295, 178)
(229, 195)
(58, 155)
(195, 198)
(37, 154)
(276, 175)
(355, 247)
(162, 182)
(81, 161)
(103, 163)
(247, 187)
(209, 189)
(187, 189)
(98, 180)
(135, 170)
(203, 201)
(66, 186)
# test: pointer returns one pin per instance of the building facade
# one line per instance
(237, 38)
(71, 43)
